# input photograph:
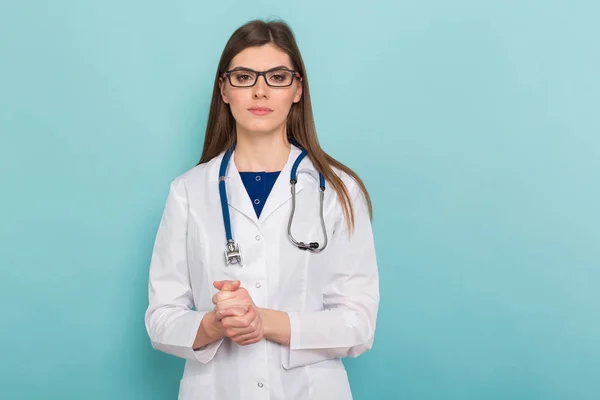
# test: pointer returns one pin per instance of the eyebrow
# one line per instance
(248, 68)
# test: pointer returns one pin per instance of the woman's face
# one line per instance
(243, 101)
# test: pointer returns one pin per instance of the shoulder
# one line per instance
(352, 186)
(198, 176)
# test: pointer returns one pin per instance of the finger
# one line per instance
(218, 284)
(240, 296)
(231, 286)
(230, 312)
(236, 333)
(246, 323)
(249, 321)
(227, 285)
(248, 339)
(221, 305)
(220, 296)
(238, 323)
(251, 341)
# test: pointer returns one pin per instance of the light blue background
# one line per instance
(474, 124)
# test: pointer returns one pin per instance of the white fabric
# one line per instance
(331, 297)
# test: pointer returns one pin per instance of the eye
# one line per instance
(280, 77)
(241, 77)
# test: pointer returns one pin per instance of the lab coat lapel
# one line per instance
(281, 191)
(237, 195)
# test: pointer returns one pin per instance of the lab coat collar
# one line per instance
(237, 196)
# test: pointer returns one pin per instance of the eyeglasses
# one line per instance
(276, 77)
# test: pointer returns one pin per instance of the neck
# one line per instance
(258, 152)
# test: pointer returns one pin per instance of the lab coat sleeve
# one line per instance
(346, 325)
(171, 322)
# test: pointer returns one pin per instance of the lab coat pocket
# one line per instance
(196, 388)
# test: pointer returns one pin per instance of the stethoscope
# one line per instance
(233, 253)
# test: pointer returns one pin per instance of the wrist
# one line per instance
(271, 321)
(264, 317)
(211, 327)
(276, 326)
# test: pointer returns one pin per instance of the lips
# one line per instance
(260, 110)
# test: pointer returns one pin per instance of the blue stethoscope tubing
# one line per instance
(233, 254)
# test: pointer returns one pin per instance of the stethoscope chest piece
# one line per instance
(233, 254)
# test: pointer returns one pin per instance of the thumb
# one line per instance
(227, 285)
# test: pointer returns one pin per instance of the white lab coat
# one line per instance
(331, 297)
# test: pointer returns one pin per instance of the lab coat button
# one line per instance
(258, 284)
(257, 237)
(260, 384)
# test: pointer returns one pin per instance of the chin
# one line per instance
(264, 127)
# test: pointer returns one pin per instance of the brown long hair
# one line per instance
(300, 125)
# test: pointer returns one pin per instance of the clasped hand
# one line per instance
(235, 314)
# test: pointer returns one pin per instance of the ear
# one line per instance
(298, 91)
(222, 88)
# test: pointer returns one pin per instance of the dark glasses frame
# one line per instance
(295, 74)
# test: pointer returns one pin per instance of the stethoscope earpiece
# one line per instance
(310, 246)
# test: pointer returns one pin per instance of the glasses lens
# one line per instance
(279, 77)
(242, 78)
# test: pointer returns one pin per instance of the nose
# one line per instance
(261, 89)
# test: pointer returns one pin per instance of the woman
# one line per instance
(272, 317)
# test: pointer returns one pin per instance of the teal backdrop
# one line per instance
(475, 125)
